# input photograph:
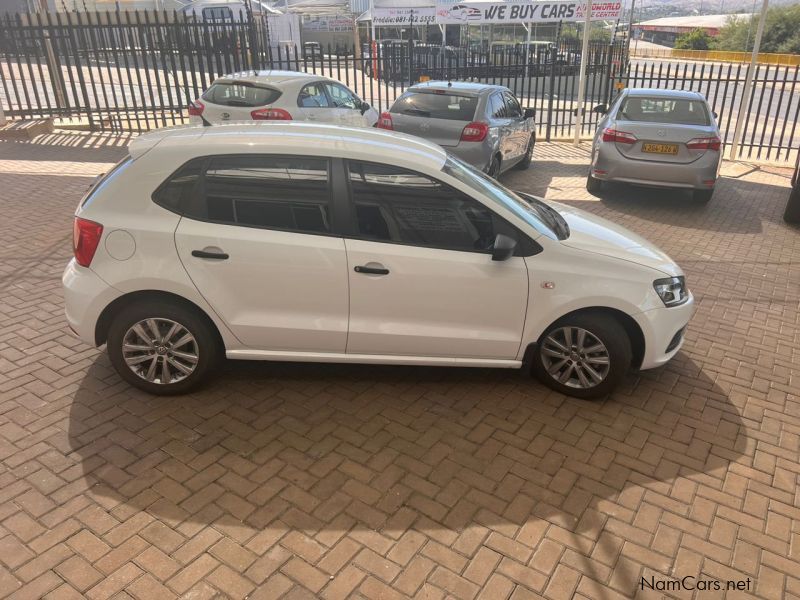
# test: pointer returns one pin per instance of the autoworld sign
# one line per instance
(465, 13)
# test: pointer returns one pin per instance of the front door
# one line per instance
(348, 105)
(422, 279)
(257, 244)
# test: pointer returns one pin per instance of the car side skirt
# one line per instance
(377, 359)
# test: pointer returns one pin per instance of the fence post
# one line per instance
(551, 87)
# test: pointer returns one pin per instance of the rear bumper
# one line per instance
(478, 154)
(85, 298)
(663, 330)
(609, 165)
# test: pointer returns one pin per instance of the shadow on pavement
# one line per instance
(465, 457)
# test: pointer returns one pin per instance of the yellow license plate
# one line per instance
(660, 148)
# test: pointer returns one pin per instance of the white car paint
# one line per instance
(290, 85)
(290, 296)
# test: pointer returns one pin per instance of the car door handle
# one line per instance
(371, 270)
(206, 254)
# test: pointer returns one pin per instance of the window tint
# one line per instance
(497, 107)
(341, 96)
(513, 109)
(268, 191)
(396, 205)
(436, 106)
(238, 94)
(664, 110)
(312, 96)
(180, 190)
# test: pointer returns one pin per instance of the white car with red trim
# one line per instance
(280, 96)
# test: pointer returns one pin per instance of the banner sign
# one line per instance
(475, 13)
(323, 23)
(396, 17)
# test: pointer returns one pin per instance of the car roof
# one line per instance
(651, 92)
(269, 77)
(296, 138)
(458, 86)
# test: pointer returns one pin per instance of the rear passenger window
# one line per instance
(274, 192)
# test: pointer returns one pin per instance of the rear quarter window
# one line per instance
(240, 94)
(452, 107)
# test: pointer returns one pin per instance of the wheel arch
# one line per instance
(106, 316)
(628, 323)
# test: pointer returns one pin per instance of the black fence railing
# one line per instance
(138, 70)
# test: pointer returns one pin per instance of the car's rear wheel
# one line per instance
(161, 347)
(526, 160)
(585, 355)
(494, 167)
(702, 195)
(593, 185)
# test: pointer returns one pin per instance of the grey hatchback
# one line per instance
(482, 124)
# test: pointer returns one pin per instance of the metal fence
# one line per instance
(139, 70)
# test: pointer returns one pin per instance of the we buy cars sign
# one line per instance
(465, 13)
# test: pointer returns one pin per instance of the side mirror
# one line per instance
(716, 116)
(600, 109)
(365, 106)
(503, 247)
(530, 113)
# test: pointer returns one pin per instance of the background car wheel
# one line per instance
(702, 195)
(494, 168)
(526, 160)
(593, 185)
(585, 355)
(161, 347)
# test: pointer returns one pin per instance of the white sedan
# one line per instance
(280, 96)
(304, 242)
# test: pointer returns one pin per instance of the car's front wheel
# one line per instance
(526, 160)
(584, 355)
(161, 347)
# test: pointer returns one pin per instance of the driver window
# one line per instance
(312, 96)
(513, 109)
(341, 96)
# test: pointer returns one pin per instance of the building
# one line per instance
(664, 31)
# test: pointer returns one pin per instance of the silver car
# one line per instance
(482, 124)
(662, 138)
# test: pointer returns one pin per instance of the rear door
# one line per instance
(498, 112)
(234, 101)
(436, 115)
(256, 240)
(517, 129)
(662, 127)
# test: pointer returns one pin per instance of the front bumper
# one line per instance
(660, 327)
(85, 298)
(609, 165)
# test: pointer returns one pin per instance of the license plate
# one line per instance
(660, 148)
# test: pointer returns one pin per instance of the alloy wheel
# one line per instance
(160, 351)
(575, 357)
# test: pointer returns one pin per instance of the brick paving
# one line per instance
(326, 481)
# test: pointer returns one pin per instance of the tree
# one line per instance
(781, 32)
(697, 39)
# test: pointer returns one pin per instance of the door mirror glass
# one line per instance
(530, 113)
(503, 247)
(600, 109)
(716, 116)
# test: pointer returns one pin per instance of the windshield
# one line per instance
(545, 219)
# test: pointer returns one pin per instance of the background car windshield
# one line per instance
(436, 106)
(664, 110)
(237, 94)
(490, 188)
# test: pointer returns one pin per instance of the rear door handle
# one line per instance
(371, 270)
(213, 255)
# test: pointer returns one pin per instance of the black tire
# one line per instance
(593, 185)
(526, 160)
(206, 344)
(494, 168)
(609, 332)
(702, 195)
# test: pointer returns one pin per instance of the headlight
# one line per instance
(671, 290)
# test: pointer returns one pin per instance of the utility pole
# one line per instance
(582, 78)
(748, 84)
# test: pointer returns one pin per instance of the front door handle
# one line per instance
(371, 270)
(207, 254)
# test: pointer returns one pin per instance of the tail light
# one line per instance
(385, 121)
(196, 108)
(707, 143)
(620, 137)
(475, 132)
(85, 238)
(270, 114)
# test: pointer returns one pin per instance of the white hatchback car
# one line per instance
(302, 242)
(280, 96)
